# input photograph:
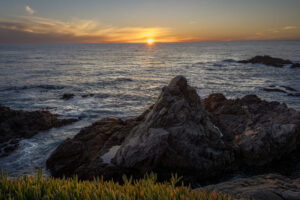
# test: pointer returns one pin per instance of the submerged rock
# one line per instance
(264, 131)
(289, 88)
(267, 60)
(263, 187)
(18, 124)
(295, 65)
(294, 94)
(87, 95)
(174, 135)
(67, 96)
(273, 90)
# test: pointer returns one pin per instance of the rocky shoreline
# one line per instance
(18, 124)
(201, 140)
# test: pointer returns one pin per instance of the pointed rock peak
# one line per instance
(178, 81)
(177, 121)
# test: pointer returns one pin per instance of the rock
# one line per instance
(295, 65)
(67, 96)
(229, 60)
(179, 135)
(294, 94)
(262, 187)
(87, 95)
(263, 131)
(288, 88)
(75, 155)
(267, 60)
(174, 135)
(273, 90)
(18, 124)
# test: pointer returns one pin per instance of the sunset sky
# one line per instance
(97, 21)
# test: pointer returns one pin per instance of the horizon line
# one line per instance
(220, 41)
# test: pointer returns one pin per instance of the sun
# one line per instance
(150, 41)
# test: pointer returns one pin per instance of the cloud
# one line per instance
(29, 10)
(289, 27)
(33, 29)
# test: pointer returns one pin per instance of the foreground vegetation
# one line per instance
(49, 188)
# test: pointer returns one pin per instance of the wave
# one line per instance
(26, 87)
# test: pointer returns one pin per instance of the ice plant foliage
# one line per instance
(37, 187)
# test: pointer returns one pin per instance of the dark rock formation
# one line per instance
(273, 90)
(282, 89)
(289, 88)
(294, 94)
(178, 135)
(174, 135)
(67, 96)
(87, 95)
(267, 60)
(264, 131)
(295, 65)
(18, 124)
(263, 187)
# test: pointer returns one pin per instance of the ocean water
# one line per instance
(125, 79)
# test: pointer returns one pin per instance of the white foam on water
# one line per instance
(32, 153)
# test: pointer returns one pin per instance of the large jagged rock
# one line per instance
(174, 135)
(18, 124)
(264, 131)
(262, 187)
(178, 135)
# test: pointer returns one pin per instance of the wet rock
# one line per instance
(174, 135)
(263, 187)
(267, 60)
(18, 124)
(273, 90)
(295, 65)
(229, 60)
(294, 94)
(87, 95)
(264, 131)
(288, 88)
(67, 96)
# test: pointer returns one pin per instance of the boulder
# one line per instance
(263, 131)
(67, 96)
(19, 124)
(262, 187)
(294, 94)
(175, 135)
(87, 95)
(295, 65)
(267, 60)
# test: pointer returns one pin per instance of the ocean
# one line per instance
(124, 79)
